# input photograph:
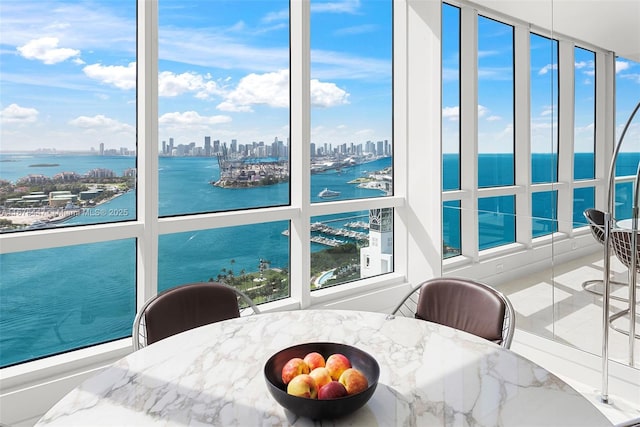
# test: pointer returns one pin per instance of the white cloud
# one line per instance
(281, 15)
(451, 113)
(589, 129)
(17, 114)
(327, 94)
(450, 74)
(482, 110)
(46, 49)
(191, 118)
(170, 84)
(486, 53)
(622, 66)
(494, 118)
(358, 29)
(258, 89)
(547, 110)
(544, 70)
(495, 73)
(101, 123)
(272, 89)
(115, 75)
(347, 6)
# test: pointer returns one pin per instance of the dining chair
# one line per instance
(186, 307)
(463, 304)
(595, 218)
(622, 244)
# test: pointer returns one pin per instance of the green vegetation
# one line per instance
(273, 284)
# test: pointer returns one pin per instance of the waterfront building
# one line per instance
(58, 199)
(377, 258)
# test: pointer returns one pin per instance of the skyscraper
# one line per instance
(207, 146)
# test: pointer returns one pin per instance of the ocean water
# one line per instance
(85, 294)
(61, 299)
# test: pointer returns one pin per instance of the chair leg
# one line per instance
(590, 284)
(618, 315)
(627, 311)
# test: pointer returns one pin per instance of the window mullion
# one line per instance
(522, 129)
(566, 93)
(469, 130)
(300, 101)
(147, 149)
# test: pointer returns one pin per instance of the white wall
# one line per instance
(612, 25)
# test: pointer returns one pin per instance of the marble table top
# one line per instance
(625, 224)
(430, 375)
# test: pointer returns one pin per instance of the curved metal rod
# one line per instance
(607, 263)
(614, 159)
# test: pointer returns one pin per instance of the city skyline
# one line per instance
(222, 73)
(228, 74)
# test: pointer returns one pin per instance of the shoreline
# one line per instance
(42, 217)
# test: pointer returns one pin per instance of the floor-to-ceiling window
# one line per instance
(544, 133)
(451, 226)
(507, 167)
(584, 132)
(351, 145)
(130, 167)
(627, 98)
(224, 141)
(495, 137)
(68, 161)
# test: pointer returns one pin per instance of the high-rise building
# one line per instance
(207, 146)
(102, 148)
(377, 258)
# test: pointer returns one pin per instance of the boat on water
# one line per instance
(326, 193)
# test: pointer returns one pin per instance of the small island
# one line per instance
(239, 173)
(44, 165)
(38, 201)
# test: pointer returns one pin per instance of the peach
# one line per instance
(303, 386)
(333, 390)
(314, 360)
(354, 381)
(293, 368)
(336, 364)
(321, 376)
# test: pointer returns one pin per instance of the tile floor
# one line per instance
(576, 334)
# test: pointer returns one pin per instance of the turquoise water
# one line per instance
(60, 299)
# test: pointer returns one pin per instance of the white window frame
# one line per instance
(494, 259)
(416, 200)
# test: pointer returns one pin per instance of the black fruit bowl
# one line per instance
(314, 408)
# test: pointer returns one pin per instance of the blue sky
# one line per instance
(68, 72)
(68, 75)
(495, 75)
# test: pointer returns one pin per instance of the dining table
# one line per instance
(430, 375)
(625, 224)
